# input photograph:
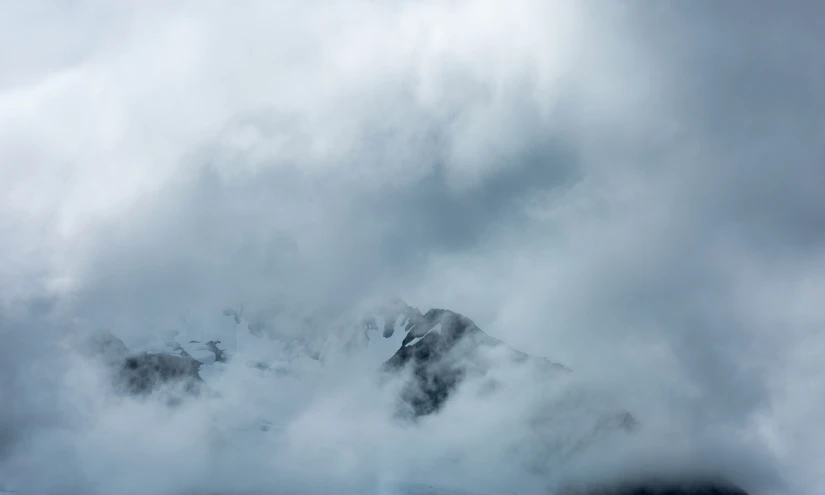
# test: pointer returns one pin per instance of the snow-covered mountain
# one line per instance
(441, 348)
(436, 356)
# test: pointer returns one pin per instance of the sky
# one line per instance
(632, 190)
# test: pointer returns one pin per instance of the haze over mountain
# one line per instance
(439, 354)
(208, 208)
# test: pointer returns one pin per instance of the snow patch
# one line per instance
(380, 348)
(435, 329)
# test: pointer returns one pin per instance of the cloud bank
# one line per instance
(631, 191)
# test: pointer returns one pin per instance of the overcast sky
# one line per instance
(633, 190)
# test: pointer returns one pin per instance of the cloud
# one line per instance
(631, 191)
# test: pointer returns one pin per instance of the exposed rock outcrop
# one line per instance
(442, 348)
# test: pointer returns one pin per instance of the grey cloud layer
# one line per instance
(624, 189)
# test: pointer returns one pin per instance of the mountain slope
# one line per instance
(435, 354)
(442, 348)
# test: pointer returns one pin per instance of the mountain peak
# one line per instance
(443, 347)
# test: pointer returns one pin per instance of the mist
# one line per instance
(632, 191)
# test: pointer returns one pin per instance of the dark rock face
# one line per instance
(436, 369)
(140, 374)
(212, 345)
(143, 373)
(442, 348)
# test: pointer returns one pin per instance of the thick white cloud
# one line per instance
(634, 192)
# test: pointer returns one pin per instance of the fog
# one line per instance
(633, 191)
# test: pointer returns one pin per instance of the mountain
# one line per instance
(434, 353)
(141, 373)
(442, 348)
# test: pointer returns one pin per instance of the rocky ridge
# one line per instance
(440, 349)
